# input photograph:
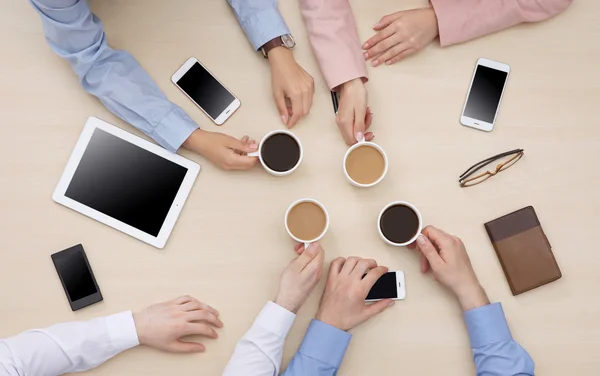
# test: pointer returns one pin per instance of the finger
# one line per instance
(183, 299)
(401, 56)
(281, 106)
(240, 162)
(373, 276)
(307, 99)
(363, 267)
(377, 307)
(245, 139)
(386, 20)
(307, 256)
(240, 145)
(204, 316)
(344, 120)
(359, 123)
(299, 248)
(429, 251)
(186, 347)
(387, 39)
(438, 237)
(368, 118)
(369, 136)
(384, 32)
(424, 264)
(349, 265)
(297, 109)
(195, 305)
(392, 52)
(316, 264)
(336, 266)
(200, 329)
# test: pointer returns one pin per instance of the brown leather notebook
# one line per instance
(523, 250)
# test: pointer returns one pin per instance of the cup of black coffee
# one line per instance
(399, 223)
(280, 152)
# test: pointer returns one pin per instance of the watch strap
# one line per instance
(275, 42)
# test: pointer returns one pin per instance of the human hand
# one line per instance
(447, 257)
(354, 117)
(223, 150)
(343, 302)
(162, 325)
(300, 277)
(401, 34)
(288, 79)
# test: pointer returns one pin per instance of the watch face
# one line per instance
(288, 40)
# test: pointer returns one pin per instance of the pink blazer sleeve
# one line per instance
(333, 36)
(462, 20)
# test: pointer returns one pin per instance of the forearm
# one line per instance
(113, 76)
(68, 347)
(260, 20)
(462, 20)
(495, 352)
(334, 38)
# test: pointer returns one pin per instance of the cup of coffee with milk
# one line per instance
(365, 164)
(306, 221)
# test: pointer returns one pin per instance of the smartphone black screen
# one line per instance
(384, 288)
(485, 94)
(76, 277)
(205, 90)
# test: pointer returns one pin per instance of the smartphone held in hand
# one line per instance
(390, 286)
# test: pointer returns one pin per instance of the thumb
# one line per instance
(429, 251)
(378, 307)
(281, 106)
(186, 347)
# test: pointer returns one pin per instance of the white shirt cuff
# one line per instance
(275, 319)
(122, 332)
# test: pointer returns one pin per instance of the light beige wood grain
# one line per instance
(229, 246)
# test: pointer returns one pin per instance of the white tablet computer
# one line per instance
(126, 182)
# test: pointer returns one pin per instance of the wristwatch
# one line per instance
(286, 40)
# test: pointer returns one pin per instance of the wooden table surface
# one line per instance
(229, 245)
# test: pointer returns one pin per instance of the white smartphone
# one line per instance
(390, 286)
(205, 90)
(485, 94)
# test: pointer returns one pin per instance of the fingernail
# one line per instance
(391, 303)
(284, 119)
(421, 240)
(388, 62)
(375, 63)
(377, 24)
(365, 46)
(253, 146)
(359, 136)
(366, 54)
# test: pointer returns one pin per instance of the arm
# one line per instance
(494, 351)
(260, 20)
(67, 347)
(462, 20)
(334, 38)
(259, 352)
(321, 352)
(113, 76)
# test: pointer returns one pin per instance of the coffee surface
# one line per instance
(365, 164)
(280, 152)
(399, 223)
(306, 221)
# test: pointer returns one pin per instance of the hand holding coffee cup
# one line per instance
(306, 221)
(280, 152)
(365, 164)
(399, 223)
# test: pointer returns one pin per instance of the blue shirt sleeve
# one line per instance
(494, 351)
(321, 352)
(260, 20)
(113, 76)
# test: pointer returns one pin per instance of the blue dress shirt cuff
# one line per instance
(325, 343)
(174, 129)
(487, 325)
(263, 26)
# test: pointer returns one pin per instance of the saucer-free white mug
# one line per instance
(262, 162)
(363, 143)
(306, 242)
(414, 238)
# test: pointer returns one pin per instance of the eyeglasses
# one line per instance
(465, 180)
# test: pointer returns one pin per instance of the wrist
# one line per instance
(323, 317)
(280, 55)
(283, 303)
(434, 24)
(140, 327)
(472, 296)
(196, 141)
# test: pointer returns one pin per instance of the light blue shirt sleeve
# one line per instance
(113, 76)
(494, 351)
(260, 20)
(321, 352)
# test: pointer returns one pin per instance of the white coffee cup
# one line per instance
(306, 242)
(262, 162)
(363, 143)
(414, 209)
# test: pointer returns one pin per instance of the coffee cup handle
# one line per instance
(254, 154)
(306, 245)
(362, 140)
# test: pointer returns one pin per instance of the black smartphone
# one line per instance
(77, 277)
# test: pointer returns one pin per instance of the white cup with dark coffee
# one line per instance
(399, 223)
(365, 164)
(306, 221)
(279, 152)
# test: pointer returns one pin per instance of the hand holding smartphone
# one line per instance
(208, 93)
(390, 286)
